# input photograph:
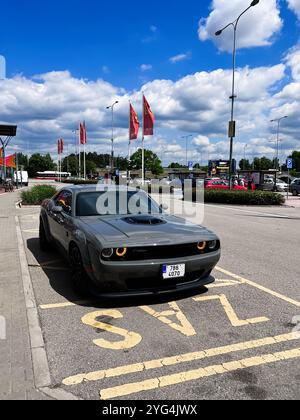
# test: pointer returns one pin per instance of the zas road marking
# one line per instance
(131, 339)
(179, 359)
(196, 374)
(232, 316)
(260, 287)
(184, 327)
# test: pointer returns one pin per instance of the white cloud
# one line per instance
(146, 67)
(51, 105)
(294, 5)
(180, 57)
(256, 29)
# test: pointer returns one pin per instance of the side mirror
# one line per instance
(57, 210)
(164, 207)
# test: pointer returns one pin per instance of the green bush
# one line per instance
(247, 198)
(37, 194)
(79, 182)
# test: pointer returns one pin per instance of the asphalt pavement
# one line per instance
(234, 340)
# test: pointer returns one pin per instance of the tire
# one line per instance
(44, 243)
(80, 278)
(295, 193)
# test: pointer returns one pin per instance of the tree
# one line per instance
(176, 166)
(152, 162)
(70, 164)
(245, 165)
(39, 163)
(22, 161)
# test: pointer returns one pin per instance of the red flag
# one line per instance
(148, 119)
(134, 124)
(60, 146)
(83, 133)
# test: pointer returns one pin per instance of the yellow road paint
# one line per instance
(260, 287)
(196, 374)
(184, 327)
(131, 339)
(223, 283)
(235, 321)
(179, 359)
(65, 305)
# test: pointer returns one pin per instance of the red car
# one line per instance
(222, 185)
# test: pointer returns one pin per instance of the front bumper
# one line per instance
(137, 278)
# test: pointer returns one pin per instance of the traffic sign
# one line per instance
(191, 166)
(290, 163)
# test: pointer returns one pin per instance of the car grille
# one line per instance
(163, 252)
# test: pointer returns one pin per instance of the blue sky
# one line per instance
(118, 37)
(130, 45)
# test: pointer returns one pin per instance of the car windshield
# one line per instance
(112, 203)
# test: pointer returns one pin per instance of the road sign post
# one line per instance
(290, 165)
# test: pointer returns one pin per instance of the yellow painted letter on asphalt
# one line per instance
(232, 316)
(131, 339)
(184, 327)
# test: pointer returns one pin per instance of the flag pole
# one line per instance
(143, 144)
(129, 143)
(79, 140)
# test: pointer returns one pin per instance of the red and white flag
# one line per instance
(148, 125)
(134, 124)
(83, 133)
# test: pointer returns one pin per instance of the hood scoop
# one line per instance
(145, 220)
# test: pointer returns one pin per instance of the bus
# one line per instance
(52, 176)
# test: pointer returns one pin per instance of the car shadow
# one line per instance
(60, 281)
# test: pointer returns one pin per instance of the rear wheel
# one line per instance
(44, 243)
(79, 276)
(295, 193)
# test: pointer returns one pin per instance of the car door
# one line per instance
(61, 224)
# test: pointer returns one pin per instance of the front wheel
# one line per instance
(295, 193)
(44, 243)
(79, 276)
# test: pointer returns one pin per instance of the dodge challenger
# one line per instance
(120, 242)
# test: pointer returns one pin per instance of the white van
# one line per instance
(22, 178)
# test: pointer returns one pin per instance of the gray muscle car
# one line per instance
(120, 242)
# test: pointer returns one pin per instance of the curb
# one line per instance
(41, 371)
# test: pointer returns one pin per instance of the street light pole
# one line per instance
(245, 147)
(186, 147)
(112, 134)
(232, 123)
(278, 121)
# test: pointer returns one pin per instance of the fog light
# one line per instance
(121, 252)
(107, 253)
(212, 245)
(201, 246)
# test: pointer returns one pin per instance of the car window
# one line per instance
(64, 200)
(102, 203)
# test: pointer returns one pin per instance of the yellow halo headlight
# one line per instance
(121, 252)
(201, 246)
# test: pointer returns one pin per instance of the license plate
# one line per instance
(173, 271)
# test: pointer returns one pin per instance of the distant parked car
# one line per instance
(295, 187)
(222, 185)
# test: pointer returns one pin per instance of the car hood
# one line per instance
(172, 230)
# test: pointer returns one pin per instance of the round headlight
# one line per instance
(212, 245)
(121, 252)
(107, 253)
(201, 246)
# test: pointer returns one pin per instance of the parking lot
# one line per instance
(235, 339)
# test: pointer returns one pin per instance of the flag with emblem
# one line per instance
(134, 124)
(148, 124)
